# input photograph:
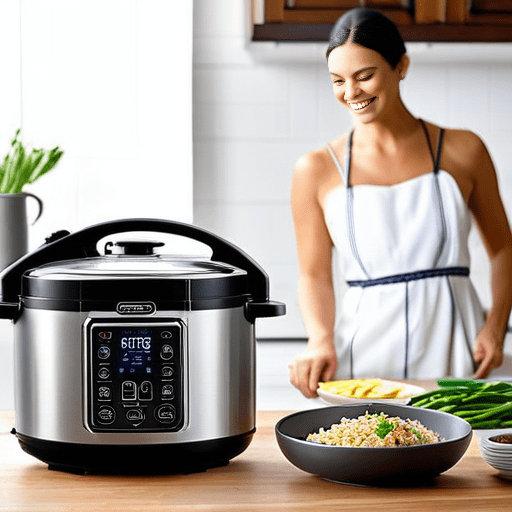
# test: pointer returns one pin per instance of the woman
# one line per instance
(393, 201)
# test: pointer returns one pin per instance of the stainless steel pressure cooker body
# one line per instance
(133, 360)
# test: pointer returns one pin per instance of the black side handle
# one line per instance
(83, 244)
(9, 310)
(267, 309)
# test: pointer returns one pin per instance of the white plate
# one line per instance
(408, 389)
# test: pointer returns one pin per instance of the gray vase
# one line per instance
(14, 226)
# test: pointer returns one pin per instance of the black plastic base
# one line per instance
(178, 458)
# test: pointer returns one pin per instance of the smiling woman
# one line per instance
(360, 77)
(392, 201)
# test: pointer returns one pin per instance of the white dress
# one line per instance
(410, 310)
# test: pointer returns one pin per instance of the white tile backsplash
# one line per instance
(264, 120)
(221, 50)
(463, 91)
(425, 91)
(500, 112)
(244, 84)
(304, 107)
(245, 170)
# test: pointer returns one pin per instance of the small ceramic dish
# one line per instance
(496, 449)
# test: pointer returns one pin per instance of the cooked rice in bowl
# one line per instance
(375, 430)
(368, 465)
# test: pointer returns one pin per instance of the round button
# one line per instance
(165, 413)
(135, 415)
(166, 352)
(104, 352)
(103, 373)
(167, 371)
(106, 415)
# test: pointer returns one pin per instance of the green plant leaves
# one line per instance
(21, 166)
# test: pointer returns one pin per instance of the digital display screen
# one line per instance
(135, 351)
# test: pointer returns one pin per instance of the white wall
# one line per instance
(110, 82)
(257, 111)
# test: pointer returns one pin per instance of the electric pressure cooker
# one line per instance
(131, 360)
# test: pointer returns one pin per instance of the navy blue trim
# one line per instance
(412, 276)
(348, 158)
(350, 207)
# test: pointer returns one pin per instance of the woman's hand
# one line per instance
(488, 353)
(317, 363)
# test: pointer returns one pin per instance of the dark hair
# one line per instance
(371, 29)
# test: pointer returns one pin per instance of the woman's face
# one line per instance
(364, 81)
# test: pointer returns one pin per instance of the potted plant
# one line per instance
(19, 168)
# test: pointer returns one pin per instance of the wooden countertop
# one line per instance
(260, 479)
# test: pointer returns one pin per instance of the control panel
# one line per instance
(135, 376)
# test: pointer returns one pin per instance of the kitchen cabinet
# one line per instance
(426, 21)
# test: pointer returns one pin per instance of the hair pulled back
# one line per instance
(371, 29)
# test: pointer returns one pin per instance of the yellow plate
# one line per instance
(408, 391)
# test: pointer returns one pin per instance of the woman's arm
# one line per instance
(316, 295)
(486, 205)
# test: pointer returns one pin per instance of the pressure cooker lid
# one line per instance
(172, 281)
(126, 267)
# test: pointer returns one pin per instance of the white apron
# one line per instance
(410, 310)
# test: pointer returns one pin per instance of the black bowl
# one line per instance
(363, 465)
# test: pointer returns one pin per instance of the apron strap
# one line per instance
(344, 171)
(436, 159)
(424, 126)
(439, 151)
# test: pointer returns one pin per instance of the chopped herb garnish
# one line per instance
(418, 435)
(384, 428)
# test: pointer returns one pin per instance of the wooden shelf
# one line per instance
(319, 32)
(474, 21)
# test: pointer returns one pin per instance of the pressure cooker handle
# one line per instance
(83, 243)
